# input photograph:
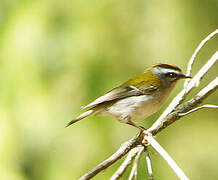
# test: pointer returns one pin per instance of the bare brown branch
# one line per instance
(123, 150)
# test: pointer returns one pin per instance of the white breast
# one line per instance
(136, 107)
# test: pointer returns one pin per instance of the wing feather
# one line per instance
(119, 93)
(115, 94)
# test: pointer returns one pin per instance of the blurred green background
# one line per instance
(56, 56)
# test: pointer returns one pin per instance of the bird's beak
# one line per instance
(184, 76)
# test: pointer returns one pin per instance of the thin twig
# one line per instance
(212, 86)
(134, 171)
(196, 79)
(148, 162)
(198, 108)
(125, 164)
(166, 156)
(193, 57)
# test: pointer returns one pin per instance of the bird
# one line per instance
(137, 98)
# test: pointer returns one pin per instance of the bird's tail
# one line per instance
(80, 117)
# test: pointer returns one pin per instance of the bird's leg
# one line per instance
(143, 131)
(135, 125)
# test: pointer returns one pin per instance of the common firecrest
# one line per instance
(137, 98)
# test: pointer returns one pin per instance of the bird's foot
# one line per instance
(145, 134)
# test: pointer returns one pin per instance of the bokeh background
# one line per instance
(56, 56)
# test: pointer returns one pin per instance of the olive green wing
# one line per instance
(147, 82)
(146, 88)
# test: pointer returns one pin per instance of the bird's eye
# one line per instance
(171, 75)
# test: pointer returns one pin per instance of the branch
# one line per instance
(149, 138)
(198, 108)
(132, 154)
(196, 79)
(133, 174)
(148, 162)
(191, 61)
(210, 88)
(123, 150)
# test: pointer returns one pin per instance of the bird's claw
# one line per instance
(144, 141)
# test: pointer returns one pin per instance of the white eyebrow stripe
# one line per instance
(170, 71)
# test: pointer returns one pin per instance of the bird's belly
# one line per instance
(136, 107)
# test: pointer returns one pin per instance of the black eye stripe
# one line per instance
(171, 74)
